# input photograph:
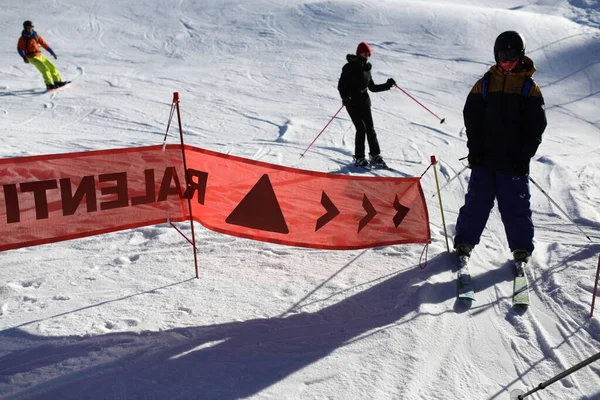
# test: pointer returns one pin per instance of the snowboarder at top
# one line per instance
(29, 49)
(353, 85)
(504, 125)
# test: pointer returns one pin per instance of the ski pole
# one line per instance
(518, 394)
(322, 130)
(553, 202)
(453, 178)
(442, 120)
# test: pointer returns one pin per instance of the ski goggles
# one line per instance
(509, 55)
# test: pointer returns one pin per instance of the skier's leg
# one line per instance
(359, 141)
(38, 62)
(374, 149)
(52, 68)
(514, 204)
(479, 201)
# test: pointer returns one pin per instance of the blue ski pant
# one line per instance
(513, 196)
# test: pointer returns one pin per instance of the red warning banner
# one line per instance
(295, 207)
(51, 198)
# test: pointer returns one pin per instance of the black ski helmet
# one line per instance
(510, 41)
(27, 23)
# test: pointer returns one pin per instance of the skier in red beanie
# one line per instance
(363, 48)
(353, 85)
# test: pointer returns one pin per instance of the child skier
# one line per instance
(504, 125)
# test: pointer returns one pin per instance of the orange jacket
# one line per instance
(29, 45)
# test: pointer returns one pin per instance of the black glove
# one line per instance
(475, 160)
(390, 82)
(25, 60)
(346, 101)
(54, 55)
(521, 167)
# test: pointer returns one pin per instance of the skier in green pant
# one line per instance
(29, 49)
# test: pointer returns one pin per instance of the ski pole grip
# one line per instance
(433, 160)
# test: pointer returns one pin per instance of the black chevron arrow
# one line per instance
(371, 212)
(331, 213)
(402, 211)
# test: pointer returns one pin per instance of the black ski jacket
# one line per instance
(356, 79)
(505, 130)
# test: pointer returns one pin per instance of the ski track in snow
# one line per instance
(120, 315)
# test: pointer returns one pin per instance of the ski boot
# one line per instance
(463, 251)
(361, 162)
(521, 258)
(377, 161)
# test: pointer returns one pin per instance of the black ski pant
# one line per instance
(363, 122)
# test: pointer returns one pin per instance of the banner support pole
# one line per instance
(187, 182)
(437, 183)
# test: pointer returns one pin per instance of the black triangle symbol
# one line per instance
(371, 212)
(331, 213)
(260, 209)
(401, 212)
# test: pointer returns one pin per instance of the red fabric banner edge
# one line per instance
(23, 159)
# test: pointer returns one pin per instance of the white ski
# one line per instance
(465, 285)
(521, 285)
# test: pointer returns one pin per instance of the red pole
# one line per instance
(595, 288)
(322, 130)
(417, 101)
(187, 181)
(181, 233)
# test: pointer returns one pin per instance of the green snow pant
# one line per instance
(46, 68)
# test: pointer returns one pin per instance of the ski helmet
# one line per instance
(509, 46)
(363, 47)
(27, 23)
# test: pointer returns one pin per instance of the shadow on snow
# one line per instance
(224, 361)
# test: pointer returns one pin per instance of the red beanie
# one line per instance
(363, 47)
